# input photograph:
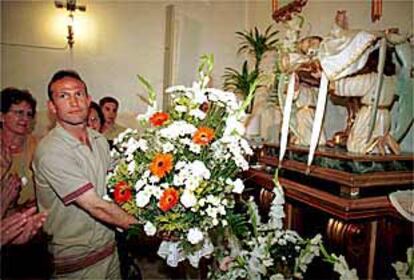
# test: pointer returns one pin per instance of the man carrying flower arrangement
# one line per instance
(70, 167)
(179, 177)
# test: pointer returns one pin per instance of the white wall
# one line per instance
(121, 38)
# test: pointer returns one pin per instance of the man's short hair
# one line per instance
(11, 95)
(59, 75)
(108, 99)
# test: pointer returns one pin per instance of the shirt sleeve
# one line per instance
(64, 175)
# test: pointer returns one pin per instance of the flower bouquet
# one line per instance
(178, 177)
(268, 251)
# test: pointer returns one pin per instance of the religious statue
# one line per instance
(301, 61)
(367, 69)
(358, 64)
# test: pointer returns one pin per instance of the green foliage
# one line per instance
(149, 88)
(239, 82)
(256, 43)
(246, 82)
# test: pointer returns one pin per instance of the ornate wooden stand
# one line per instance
(350, 206)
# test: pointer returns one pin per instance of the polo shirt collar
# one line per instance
(70, 139)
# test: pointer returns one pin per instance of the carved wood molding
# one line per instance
(342, 208)
(373, 179)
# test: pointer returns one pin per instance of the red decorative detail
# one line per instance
(376, 10)
(74, 195)
(285, 13)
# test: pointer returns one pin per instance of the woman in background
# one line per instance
(96, 118)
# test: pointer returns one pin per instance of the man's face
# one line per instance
(110, 111)
(70, 101)
(19, 118)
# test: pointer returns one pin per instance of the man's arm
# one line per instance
(104, 210)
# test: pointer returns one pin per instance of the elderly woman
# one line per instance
(20, 222)
(18, 109)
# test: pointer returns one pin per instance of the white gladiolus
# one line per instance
(194, 236)
(150, 229)
(175, 88)
(150, 111)
(238, 186)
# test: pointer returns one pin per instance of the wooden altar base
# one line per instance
(351, 209)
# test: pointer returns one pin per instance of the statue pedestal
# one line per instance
(344, 197)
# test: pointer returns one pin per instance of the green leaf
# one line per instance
(149, 88)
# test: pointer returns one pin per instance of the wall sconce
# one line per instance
(71, 7)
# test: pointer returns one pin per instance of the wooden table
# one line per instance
(351, 209)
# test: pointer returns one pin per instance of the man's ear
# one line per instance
(51, 106)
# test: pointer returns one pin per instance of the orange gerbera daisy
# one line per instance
(159, 118)
(161, 165)
(122, 192)
(203, 136)
(168, 200)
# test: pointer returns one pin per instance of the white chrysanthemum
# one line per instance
(150, 229)
(121, 136)
(131, 146)
(194, 236)
(213, 200)
(143, 145)
(167, 147)
(188, 199)
(238, 185)
(180, 108)
(180, 164)
(179, 179)
(146, 174)
(199, 169)
(131, 167)
(142, 198)
(191, 183)
(195, 148)
(211, 212)
(177, 129)
(175, 88)
(139, 184)
(150, 111)
(233, 126)
(197, 113)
